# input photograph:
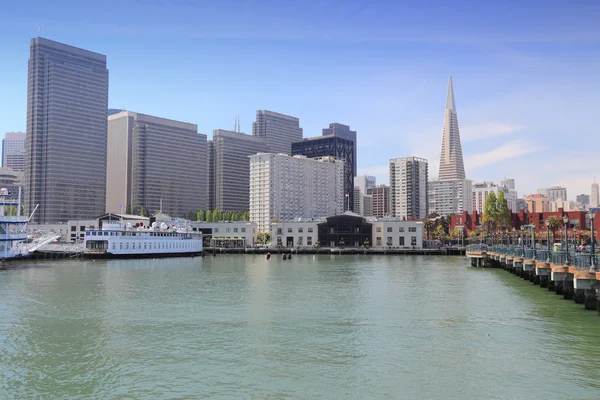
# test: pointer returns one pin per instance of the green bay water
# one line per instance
(314, 327)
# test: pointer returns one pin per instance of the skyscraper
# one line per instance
(449, 197)
(583, 199)
(279, 130)
(554, 193)
(67, 103)
(594, 202)
(333, 146)
(231, 167)
(381, 200)
(13, 151)
(344, 131)
(154, 160)
(451, 158)
(408, 187)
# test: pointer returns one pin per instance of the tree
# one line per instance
(246, 216)
(554, 225)
(428, 225)
(504, 214)
(191, 216)
(439, 233)
(455, 233)
(217, 215)
(263, 237)
(200, 215)
(208, 216)
(143, 211)
(128, 209)
(445, 222)
(490, 212)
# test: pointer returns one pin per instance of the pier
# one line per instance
(575, 276)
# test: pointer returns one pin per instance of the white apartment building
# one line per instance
(554, 193)
(408, 187)
(291, 187)
(480, 191)
(390, 232)
(449, 197)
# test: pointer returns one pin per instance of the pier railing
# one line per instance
(580, 260)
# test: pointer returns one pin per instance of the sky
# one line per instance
(525, 73)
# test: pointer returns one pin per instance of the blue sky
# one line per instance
(526, 73)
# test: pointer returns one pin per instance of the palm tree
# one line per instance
(428, 225)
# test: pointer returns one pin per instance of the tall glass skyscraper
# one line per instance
(67, 103)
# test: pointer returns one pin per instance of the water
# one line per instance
(340, 327)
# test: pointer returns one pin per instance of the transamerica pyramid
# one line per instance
(451, 159)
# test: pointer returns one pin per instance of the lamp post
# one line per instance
(593, 266)
(566, 222)
(522, 242)
(548, 239)
(514, 235)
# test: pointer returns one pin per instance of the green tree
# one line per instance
(246, 216)
(490, 212)
(428, 225)
(200, 215)
(554, 225)
(263, 237)
(445, 222)
(504, 214)
(191, 216)
(208, 216)
(235, 216)
(439, 233)
(217, 215)
(455, 233)
(128, 209)
(143, 211)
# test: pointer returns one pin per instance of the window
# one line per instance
(401, 240)
(389, 229)
(389, 241)
(289, 230)
(310, 230)
(401, 229)
(413, 240)
(279, 231)
(309, 240)
(73, 228)
(412, 228)
(235, 229)
(378, 229)
(300, 241)
(82, 228)
(227, 230)
(243, 230)
(378, 242)
(300, 230)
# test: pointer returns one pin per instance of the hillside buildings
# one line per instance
(67, 103)
(408, 187)
(13, 151)
(278, 130)
(154, 163)
(291, 187)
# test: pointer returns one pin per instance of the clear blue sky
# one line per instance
(526, 73)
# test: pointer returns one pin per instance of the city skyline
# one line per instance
(385, 80)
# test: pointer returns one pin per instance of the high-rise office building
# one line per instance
(380, 200)
(365, 182)
(231, 166)
(288, 188)
(333, 146)
(451, 158)
(154, 162)
(408, 187)
(554, 193)
(344, 131)
(449, 197)
(279, 130)
(583, 199)
(594, 198)
(13, 151)
(210, 175)
(67, 103)
(508, 183)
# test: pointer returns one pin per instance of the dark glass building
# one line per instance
(333, 146)
(348, 229)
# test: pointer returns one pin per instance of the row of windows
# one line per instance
(400, 229)
(154, 245)
(400, 242)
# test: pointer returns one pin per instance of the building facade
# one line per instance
(481, 190)
(408, 187)
(554, 193)
(67, 103)
(332, 146)
(451, 158)
(278, 130)
(448, 197)
(285, 187)
(154, 162)
(381, 201)
(364, 183)
(538, 203)
(583, 199)
(595, 197)
(13, 151)
(231, 165)
(344, 131)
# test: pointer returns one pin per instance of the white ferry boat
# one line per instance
(12, 229)
(117, 239)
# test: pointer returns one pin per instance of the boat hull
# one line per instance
(141, 255)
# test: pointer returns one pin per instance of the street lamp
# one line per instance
(522, 241)
(548, 239)
(514, 235)
(593, 266)
(566, 222)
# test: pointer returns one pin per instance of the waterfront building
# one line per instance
(154, 163)
(448, 197)
(595, 198)
(229, 182)
(227, 234)
(451, 158)
(381, 200)
(554, 193)
(278, 130)
(289, 187)
(348, 230)
(480, 191)
(332, 146)
(408, 187)
(67, 103)
(537, 203)
(13, 151)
